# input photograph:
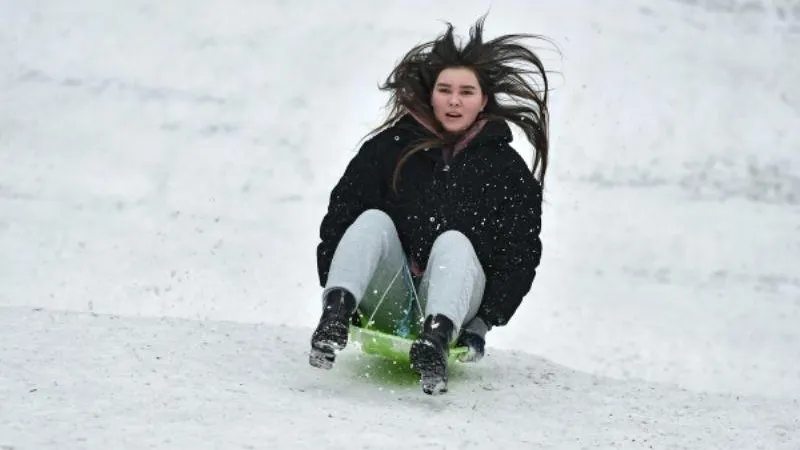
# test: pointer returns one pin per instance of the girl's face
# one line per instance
(457, 99)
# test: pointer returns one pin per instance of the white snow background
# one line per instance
(164, 167)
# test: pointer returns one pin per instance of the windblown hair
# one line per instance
(503, 67)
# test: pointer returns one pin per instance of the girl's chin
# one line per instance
(455, 127)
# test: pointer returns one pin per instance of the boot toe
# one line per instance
(328, 338)
(431, 363)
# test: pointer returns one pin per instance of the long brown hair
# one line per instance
(504, 68)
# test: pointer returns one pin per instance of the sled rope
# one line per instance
(383, 297)
(403, 327)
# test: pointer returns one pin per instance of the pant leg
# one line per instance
(454, 280)
(369, 262)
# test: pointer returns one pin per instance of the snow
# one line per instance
(84, 381)
(164, 167)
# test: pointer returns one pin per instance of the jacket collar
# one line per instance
(480, 131)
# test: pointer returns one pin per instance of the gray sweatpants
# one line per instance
(370, 263)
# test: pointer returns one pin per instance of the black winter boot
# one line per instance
(331, 334)
(430, 351)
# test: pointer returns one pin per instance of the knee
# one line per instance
(453, 240)
(455, 246)
(375, 219)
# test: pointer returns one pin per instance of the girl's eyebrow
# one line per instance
(463, 86)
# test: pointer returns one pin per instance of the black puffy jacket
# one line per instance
(486, 192)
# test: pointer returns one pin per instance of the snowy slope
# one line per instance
(172, 383)
(174, 159)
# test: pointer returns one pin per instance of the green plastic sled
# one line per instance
(389, 333)
(389, 346)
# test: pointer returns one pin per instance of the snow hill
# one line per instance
(163, 171)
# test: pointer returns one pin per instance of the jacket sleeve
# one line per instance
(360, 188)
(517, 245)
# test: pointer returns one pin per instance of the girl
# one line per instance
(433, 230)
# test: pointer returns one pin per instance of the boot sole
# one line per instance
(325, 342)
(431, 366)
(322, 358)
